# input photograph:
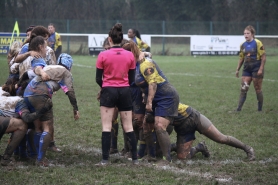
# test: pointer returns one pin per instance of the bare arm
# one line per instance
(263, 60)
(240, 62)
(71, 96)
(21, 57)
(39, 71)
(152, 91)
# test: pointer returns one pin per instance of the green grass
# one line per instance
(206, 83)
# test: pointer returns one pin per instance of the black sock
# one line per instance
(106, 141)
(131, 138)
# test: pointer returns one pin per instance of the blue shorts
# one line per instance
(166, 101)
(251, 69)
(137, 100)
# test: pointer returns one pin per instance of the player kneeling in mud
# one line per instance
(190, 120)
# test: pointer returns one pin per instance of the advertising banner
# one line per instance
(215, 44)
(95, 42)
(5, 41)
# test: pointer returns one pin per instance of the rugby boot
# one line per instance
(173, 147)
(163, 162)
(52, 147)
(6, 161)
(102, 163)
(250, 154)
(201, 147)
(43, 163)
(135, 162)
(113, 151)
(148, 158)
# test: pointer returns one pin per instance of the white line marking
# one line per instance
(184, 74)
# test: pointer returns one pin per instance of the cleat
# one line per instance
(102, 163)
(148, 158)
(113, 151)
(53, 148)
(162, 163)
(43, 163)
(7, 162)
(203, 148)
(135, 162)
(173, 147)
(251, 154)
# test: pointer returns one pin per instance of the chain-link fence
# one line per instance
(159, 45)
(146, 27)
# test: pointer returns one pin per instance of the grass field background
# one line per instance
(206, 83)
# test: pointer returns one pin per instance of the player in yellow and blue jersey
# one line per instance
(135, 36)
(162, 98)
(253, 56)
(188, 122)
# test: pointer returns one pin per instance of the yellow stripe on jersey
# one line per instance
(182, 109)
(141, 45)
(58, 41)
(150, 73)
(260, 50)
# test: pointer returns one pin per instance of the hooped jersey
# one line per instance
(251, 51)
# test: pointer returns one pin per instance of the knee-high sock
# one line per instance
(44, 143)
(142, 144)
(142, 148)
(114, 135)
(242, 98)
(234, 142)
(15, 140)
(150, 139)
(165, 143)
(260, 99)
(16, 151)
(106, 142)
(22, 147)
(37, 137)
(133, 144)
(32, 151)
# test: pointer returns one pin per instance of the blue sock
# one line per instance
(32, 152)
(142, 149)
(44, 143)
(37, 137)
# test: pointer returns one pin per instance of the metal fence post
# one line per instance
(68, 38)
(258, 28)
(210, 28)
(163, 38)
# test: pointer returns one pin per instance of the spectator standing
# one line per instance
(54, 41)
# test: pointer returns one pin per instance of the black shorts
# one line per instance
(116, 97)
(4, 123)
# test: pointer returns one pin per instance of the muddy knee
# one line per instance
(244, 87)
